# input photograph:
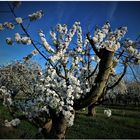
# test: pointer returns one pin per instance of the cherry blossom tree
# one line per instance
(77, 75)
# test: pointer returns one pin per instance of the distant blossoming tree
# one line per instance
(76, 76)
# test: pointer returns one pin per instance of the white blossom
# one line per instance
(59, 28)
(7, 124)
(8, 25)
(53, 35)
(107, 112)
(9, 100)
(1, 27)
(69, 91)
(14, 122)
(69, 117)
(120, 32)
(95, 39)
(36, 15)
(109, 40)
(6, 96)
(86, 42)
(26, 40)
(106, 27)
(128, 43)
(130, 49)
(55, 57)
(34, 52)
(17, 38)
(93, 58)
(19, 20)
(44, 41)
(9, 41)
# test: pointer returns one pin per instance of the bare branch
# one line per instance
(92, 72)
(12, 11)
(23, 28)
(118, 81)
(120, 54)
(133, 73)
(93, 46)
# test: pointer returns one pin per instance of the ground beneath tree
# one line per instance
(124, 123)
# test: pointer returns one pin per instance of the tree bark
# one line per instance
(100, 81)
(91, 111)
(55, 128)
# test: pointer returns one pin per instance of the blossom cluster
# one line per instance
(107, 112)
(64, 41)
(112, 43)
(53, 92)
(66, 92)
(23, 40)
(79, 40)
(6, 25)
(30, 55)
(130, 48)
(100, 34)
(36, 15)
(53, 36)
(19, 20)
(20, 40)
(62, 29)
(86, 42)
(104, 38)
(15, 122)
(48, 98)
(44, 41)
(7, 100)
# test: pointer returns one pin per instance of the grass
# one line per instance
(124, 123)
(25, 130)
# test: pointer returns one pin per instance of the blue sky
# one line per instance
(88, 13)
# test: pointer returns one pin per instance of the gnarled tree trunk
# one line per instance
(55, 128)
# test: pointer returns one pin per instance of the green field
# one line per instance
(124, 123)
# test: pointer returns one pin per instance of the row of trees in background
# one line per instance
(131, 94)
(131, 97)
(77, 75)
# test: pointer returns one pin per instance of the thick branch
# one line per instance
(100, 82)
